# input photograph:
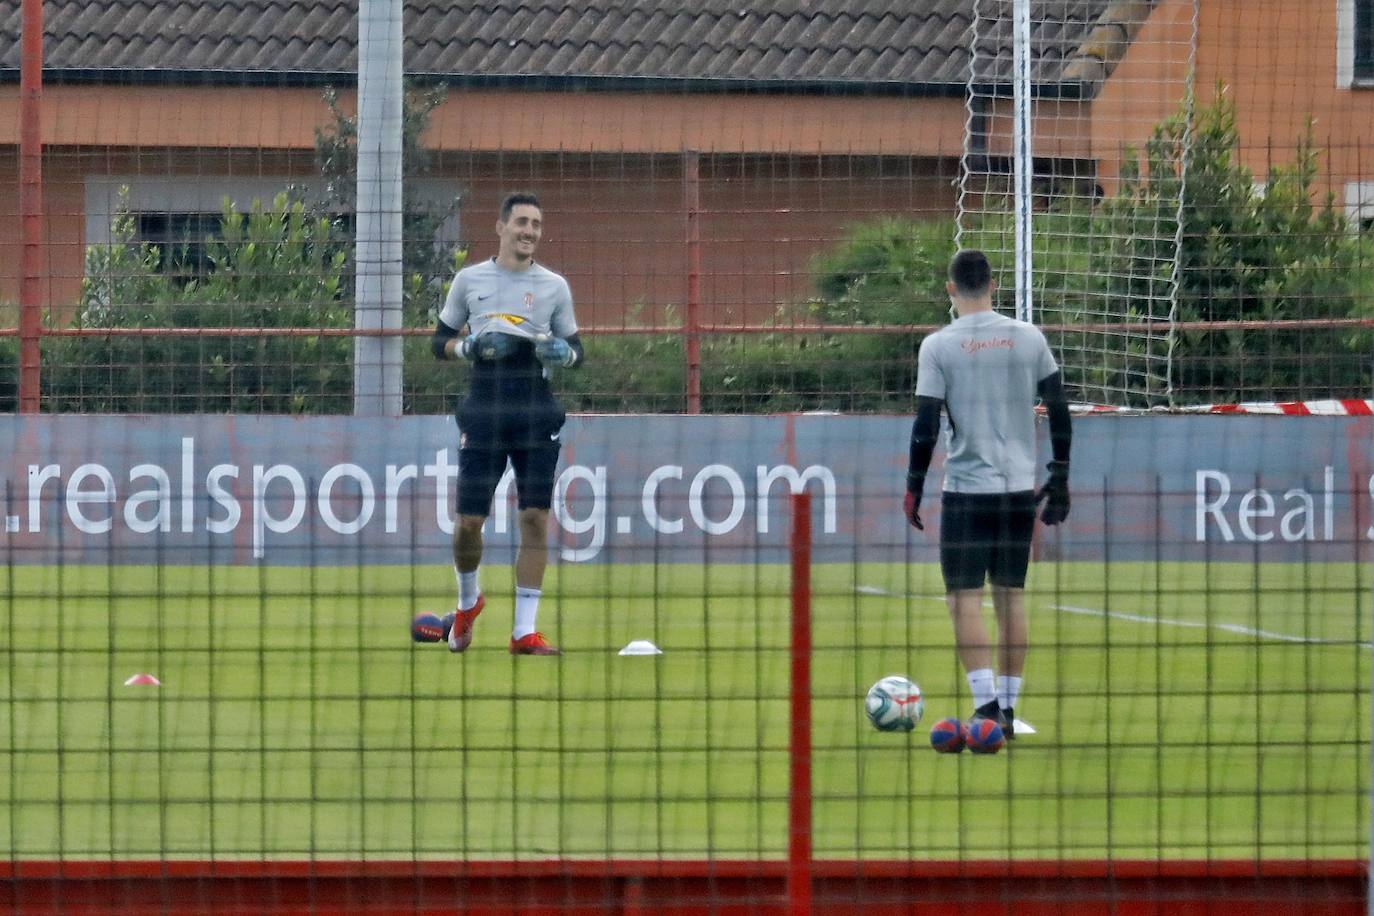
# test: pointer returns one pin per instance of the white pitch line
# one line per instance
(1199, 625)
(1145, 618)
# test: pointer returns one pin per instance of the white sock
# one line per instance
(983, 685)
(467, 589)
(1008, 691)
(526, 610)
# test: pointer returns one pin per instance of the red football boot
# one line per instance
(533, 644)
(460, 634)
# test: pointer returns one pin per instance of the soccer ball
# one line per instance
(984, 736)
(894, 704)
(947, 736)
(426, 628)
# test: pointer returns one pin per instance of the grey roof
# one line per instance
(872, 44)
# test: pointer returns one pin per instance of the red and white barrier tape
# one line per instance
(1333, 408)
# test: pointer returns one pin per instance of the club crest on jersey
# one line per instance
(529, 301)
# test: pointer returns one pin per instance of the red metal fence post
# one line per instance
(691, 192)
(31, 207)
(799, 801)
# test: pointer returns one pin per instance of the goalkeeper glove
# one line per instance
(553, 351)
(912, 503)
(489, 346)
(1055, 492)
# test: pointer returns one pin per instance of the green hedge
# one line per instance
(1246, 255)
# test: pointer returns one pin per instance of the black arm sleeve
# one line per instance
(925, 429)
(1051, 390)
(442, 335)
(579, 354)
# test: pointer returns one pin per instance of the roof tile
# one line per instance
(862, 41)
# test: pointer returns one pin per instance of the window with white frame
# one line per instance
(1359, 205)
(179, 216)
(1355, 43)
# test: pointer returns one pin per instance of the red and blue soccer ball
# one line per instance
(947, 737)
(427, 628)
(983, 736)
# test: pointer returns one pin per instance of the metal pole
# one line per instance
(691, 191)
(31, 207)
(377, 360)
(1023, 162)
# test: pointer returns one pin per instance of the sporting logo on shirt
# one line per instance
(507, 316)
(529, 301)
(997, 343)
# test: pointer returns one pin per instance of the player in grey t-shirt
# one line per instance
(520, 320)
(985, 372)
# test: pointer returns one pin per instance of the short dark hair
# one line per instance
(514, 200)
(970, 271)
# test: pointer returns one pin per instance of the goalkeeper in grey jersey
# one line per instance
(520, 320)
(984, 371)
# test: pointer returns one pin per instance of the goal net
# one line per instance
(1082, 143)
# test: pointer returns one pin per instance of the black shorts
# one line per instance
(986, 536)
(492, 431)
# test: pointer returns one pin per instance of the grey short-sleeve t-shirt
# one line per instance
(525, 303)
(986, 368)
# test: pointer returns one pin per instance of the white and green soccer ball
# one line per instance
(894, 704)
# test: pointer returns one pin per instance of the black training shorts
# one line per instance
(986, 535)
(492, 429)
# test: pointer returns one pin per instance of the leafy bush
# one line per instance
(284, 265)
(427, 264)
(1247, 255)
(628, 373)
(277, 267)
(891, 271)
(1259, 254)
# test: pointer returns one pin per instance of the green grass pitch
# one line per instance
(1184, 711)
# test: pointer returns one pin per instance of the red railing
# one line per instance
(687, 887)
